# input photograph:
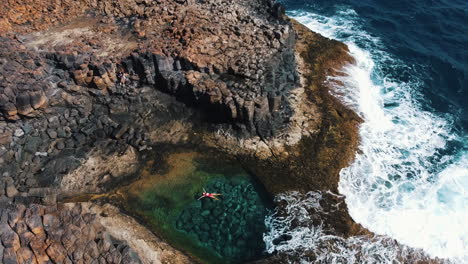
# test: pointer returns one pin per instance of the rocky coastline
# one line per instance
(90, 90)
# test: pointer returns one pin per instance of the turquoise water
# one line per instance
(228, 230)
(232, 226)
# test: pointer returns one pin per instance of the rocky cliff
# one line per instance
(89, 89)
(234, 60)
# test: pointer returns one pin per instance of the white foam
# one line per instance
(400, 184)
(295, 231)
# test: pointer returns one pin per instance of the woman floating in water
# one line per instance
(209, 195)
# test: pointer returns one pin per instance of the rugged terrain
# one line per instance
(91, 89)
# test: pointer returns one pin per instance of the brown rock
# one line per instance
(4, 25)
(78, 253)
(38, 99)
(99, 82)
(9, 256)
(23, 104)
(15, 215)
(26, 237)
(10, 109)
(193, 77)
(56, 252)
(67, 261)
(104, 245)
(5, 137)
(92, 249)
(20, 227)
(39, 246)
(25, 255)
(34, 222)
(68, 239)
(80, 77)
(89, 77)
(50, 221)
(107, 80)
(11, 191)
(114, 257)
(9, 238)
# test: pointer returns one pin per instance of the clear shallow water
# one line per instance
(410, 179)
(232, 226)
(228, 230)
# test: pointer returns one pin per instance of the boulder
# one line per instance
(9, 238)
(38, 99)
(23, 104)
(56, 252)
(11, 191)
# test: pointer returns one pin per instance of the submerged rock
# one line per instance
(233, 225)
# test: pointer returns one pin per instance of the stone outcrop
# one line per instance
(235, 60)
(99, 81)
(97, 170)
(123, 228)
(58, 234)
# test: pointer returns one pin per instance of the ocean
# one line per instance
(409, 181)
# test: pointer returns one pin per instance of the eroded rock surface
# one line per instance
(76, 79)
(97, 170)
(70, 233)
(233, 59)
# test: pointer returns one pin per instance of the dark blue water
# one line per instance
(430, 36)
(409, 181)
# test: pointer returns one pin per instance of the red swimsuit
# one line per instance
(209, 195)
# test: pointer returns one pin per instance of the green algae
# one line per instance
(228, 230)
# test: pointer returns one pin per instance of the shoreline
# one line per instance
(259, 157)
(81, 129)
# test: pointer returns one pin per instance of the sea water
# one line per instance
(409, 180)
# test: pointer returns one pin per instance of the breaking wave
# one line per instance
(297, 232)
(409, 180)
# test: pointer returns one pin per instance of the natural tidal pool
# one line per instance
(228, 230)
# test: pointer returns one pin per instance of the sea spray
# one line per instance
(297, 233)
(409, 180)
